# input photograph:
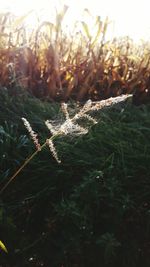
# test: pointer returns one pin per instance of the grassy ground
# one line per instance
(91, 210)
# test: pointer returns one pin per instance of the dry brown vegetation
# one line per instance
(51, 63)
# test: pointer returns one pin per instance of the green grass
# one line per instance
(91, 210)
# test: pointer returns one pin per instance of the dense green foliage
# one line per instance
(91, 210)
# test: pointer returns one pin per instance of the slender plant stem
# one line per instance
(25, 163)
(20, 169)
(80, 114)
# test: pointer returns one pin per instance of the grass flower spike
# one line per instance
(52, 149)
(50, 127)
(32, 134)
(69, 127)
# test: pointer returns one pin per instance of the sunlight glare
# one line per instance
(127, 17)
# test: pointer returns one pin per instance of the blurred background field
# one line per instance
(51, 62)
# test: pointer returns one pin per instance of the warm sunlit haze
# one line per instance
(130, 17)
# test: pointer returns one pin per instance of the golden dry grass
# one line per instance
(50, 63)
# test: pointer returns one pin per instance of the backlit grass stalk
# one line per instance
(69, 127)
(24, 164)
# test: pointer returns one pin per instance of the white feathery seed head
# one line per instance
(64, 109)
(50, 127)
(70, 125)
(32, 134)
(52, 149)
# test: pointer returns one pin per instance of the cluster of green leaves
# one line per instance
(91, 210)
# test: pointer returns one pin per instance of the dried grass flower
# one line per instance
(51, 146)
(68, 127)
(32, 134)
(71, 126)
